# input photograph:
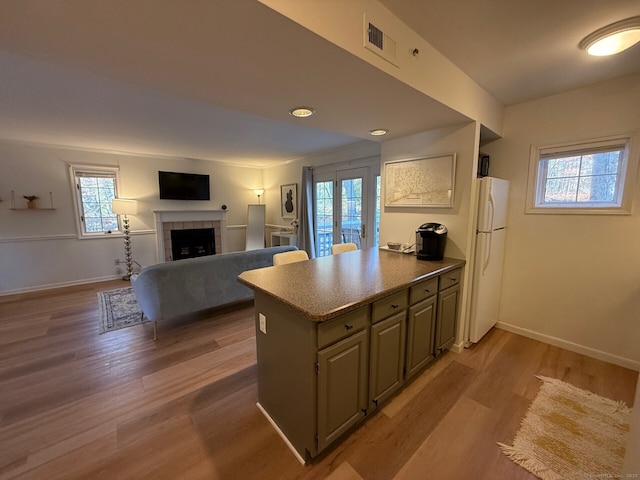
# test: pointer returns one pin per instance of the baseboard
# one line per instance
(457, 347)
(573, 347)
(49, 286)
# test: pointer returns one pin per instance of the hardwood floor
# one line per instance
(76, 404)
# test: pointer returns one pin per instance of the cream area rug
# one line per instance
(571, 433)
(118, 309)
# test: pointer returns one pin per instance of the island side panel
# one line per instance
(287, 380)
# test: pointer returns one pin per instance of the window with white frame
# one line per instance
(588, 177)
(95, 187)
(346, 205)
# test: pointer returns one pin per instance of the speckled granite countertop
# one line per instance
(323, 288)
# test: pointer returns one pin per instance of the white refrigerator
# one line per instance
(487, 268)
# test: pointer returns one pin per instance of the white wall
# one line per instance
(573, 280)
(292, 173)
(40, 248)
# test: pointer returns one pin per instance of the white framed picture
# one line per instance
(289, 200)
(420, 182)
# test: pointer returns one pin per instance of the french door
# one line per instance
(347, 208)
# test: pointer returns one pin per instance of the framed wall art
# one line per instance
(420, 182)
(289, 200)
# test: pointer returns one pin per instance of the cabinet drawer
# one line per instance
(333, 330)
(423, 290)
(388, 306)
(450, 279)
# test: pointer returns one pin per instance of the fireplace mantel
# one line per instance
(189, 217)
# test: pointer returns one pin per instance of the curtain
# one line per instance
(306, 237)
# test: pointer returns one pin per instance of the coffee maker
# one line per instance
(431, 238)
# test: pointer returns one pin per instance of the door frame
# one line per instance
(335, 172)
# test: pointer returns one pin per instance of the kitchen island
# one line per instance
(337, 336)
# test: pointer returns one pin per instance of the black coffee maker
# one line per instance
(431, 238)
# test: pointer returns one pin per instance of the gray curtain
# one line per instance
(306, 237)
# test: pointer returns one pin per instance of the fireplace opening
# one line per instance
(193, 242)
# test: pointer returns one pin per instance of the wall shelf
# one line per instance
(13, 203)
(38, 208)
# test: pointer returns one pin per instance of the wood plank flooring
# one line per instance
(78, 405)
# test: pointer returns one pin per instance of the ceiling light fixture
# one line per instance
(613, 38)
(378, 132)
(302, 112)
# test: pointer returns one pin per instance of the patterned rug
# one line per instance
(571, 433)
(118, 309)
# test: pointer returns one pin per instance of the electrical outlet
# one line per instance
(263, 323)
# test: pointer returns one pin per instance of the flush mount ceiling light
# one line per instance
(302, 112)
(378, 132)
(613, 38)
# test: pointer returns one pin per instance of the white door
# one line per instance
(352, 207)
(345, 208)
(487, 283)
(498, 198)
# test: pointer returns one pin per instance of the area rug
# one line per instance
(118, 309)
(571, 433)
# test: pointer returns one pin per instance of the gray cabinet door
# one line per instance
(387, 358)
(420, 335)
(342, 386)
(447, 316)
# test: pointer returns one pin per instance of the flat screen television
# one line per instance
(183, 186)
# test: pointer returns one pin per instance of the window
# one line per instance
(95, 187)
(324, 217)
(579, 178)
(344, 209)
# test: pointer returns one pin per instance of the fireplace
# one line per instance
(193, 242)
(169, 220)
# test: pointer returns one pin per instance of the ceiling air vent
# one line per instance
(379, 42)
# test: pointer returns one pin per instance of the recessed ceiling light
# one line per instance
(378, 132)
(613, 38)
(302, 112)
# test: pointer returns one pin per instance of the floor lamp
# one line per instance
(121, 206)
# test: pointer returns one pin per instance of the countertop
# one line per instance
(323, 288)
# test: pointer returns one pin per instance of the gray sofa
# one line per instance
(185, 286)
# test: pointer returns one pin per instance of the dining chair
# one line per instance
(343, 247)
(290, 257)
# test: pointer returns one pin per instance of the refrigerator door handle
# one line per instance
(491, 211)
(487, 253)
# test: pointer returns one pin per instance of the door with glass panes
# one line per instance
(346, 208)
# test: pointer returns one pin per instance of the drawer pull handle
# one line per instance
(393, 305)
(426, 290)
(348, 327)
(453, 279)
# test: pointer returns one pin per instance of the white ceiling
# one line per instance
(521, 50)
(215, 79)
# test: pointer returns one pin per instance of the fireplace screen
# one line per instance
(193, 242)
